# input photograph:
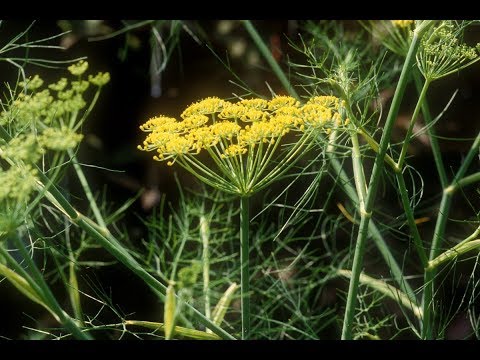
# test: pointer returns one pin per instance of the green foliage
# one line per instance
(316, 254)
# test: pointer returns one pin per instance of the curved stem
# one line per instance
(408, 136)
(452, 253)
(437, 153)
(417, 240)
(467, 180)
(87, 190)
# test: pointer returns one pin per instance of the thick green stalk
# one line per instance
(262, 47)
(388, 290)
(375, 146)
(417, 240)
(427, 301)
(244, 263)
(437, 153)
(374, 181)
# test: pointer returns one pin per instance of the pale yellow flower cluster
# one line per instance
(232, 129)
(403, 23)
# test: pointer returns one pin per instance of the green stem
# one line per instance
(467, 180)
(244, 263)
(374, 181)
(446, 255)
(87, 190)
(388, 290)
(452, 253)
(262, 47)
(375, 146)
(204, 235)
(417, 240)
(437, 153)
(408, 136)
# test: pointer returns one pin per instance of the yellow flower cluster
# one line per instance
(232, 129)
(403, 23)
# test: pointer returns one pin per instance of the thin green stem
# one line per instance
(437, 153)
(375, 146)
(408, 136)
(467, 180)
(205, 235)
(264, 50)
(87, 190)
(454, 252)
(417, 240)
(245, 268)
(374, 181)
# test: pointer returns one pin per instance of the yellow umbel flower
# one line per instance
(241, 138)
(210, 105)
(234, 150)
(79, 68)
(258, 104)
(281, 101)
